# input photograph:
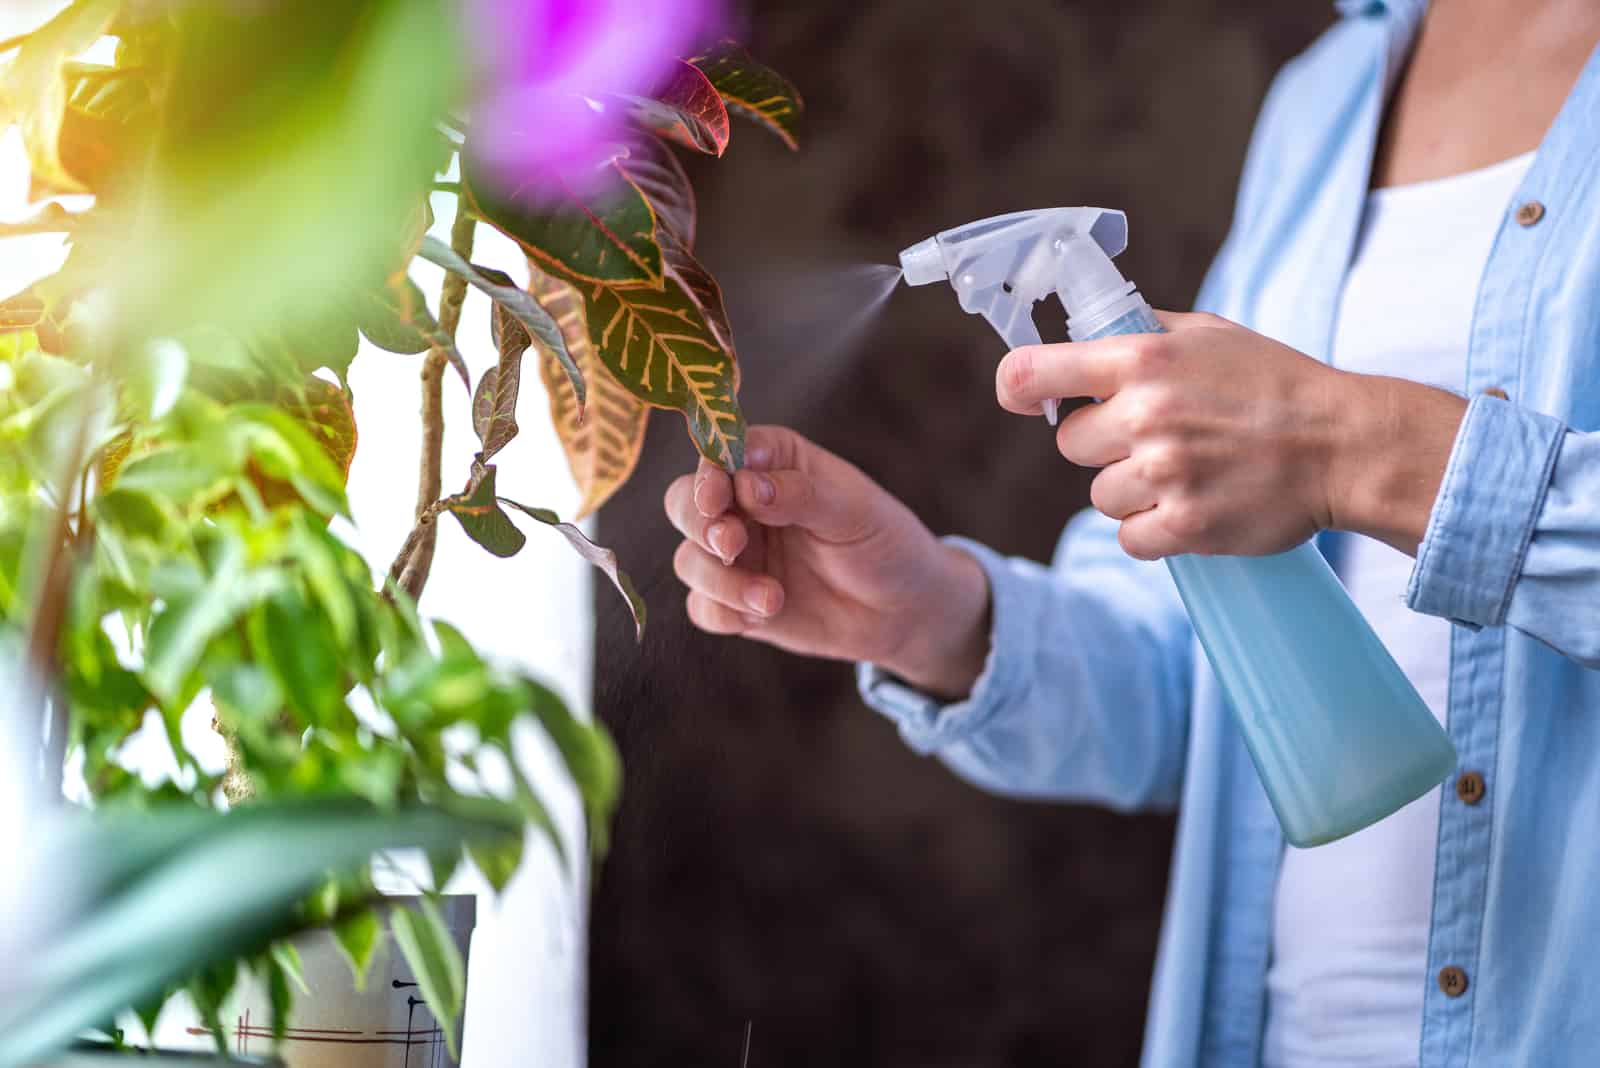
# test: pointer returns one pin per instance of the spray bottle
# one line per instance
(1338, 735)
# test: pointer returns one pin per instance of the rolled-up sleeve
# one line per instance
(1514, 536)
(1085, 691)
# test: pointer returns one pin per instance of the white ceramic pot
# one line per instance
(383, 1025)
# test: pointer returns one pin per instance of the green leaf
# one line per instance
(288, 958)
(282, 448)
(442, 866)
(33, 89)
(149, 1013)
(358, 936)
(608, 235)
(384, 316)
(248, 689)
(192, 617)
(435, 962)
(604, 559)
(304, 171)
(209, 989)
(752, 90)
(504, 292)
(279, 996)
(480, 515)
(497, 862)
(589, 755)
(297, 643)
(494, 405)
(182, 474)
(159, 893)
(686, 109)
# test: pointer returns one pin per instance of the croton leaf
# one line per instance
(494, 405)
(604, 559)
(655, 171)
(480, 516)
(385, 315)
(608, 235)
(671, 352)
(603, 445)
(753, 90)
(106, 123)
(21, 311)
(685, 108)
(33, 89)
(499, 287)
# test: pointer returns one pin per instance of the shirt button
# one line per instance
(1469, 787)
(1453, 981)
(1530, 212)
(1496, 391)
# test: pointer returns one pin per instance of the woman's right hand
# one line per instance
(801, 550)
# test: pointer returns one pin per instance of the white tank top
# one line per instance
(1350, 922)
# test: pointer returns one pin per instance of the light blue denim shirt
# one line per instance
(1095, 689)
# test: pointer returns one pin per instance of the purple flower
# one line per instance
(544, 111)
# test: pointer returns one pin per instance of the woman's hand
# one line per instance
(802, 550)
(1215, 439)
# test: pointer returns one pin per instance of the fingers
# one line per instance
(1119, 492)
(722, 534)
(744, 592)
(835, 510)
(712, 491)
(1094, 435)
(1032, 374)
(714, 618)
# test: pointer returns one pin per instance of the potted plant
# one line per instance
(243, 189)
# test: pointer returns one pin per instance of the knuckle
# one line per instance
(1148, 353)
(1189, 523)
(1163, 465)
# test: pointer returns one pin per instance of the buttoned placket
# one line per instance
(1477, 669)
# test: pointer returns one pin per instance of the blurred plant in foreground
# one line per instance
(176, 431)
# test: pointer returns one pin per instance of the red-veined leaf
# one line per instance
(494, 405)
(687, 109)
(480, 516)
(655, 171)
(753, 90)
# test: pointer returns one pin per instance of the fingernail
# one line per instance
(758, 457)
(714, 536)
(699, 485)
(759, 599)
(766, 492)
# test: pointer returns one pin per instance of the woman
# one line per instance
(1420, 213)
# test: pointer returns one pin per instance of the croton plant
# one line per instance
(242, 188)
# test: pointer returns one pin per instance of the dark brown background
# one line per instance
(780, 857)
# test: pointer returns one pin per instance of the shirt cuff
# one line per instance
(928, 724)
(1483, 518)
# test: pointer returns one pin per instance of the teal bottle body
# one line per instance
(1338, 735)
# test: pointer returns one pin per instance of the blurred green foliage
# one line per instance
(175, 437)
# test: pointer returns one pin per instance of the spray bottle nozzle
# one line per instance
(1001, 266)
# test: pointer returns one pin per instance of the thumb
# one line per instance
(819, 498)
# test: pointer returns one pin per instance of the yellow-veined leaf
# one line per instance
(603, 442)
(671, 348)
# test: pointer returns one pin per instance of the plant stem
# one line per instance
(416, 565)
(51, 219)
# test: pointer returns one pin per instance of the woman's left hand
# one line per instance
(1215, 439)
